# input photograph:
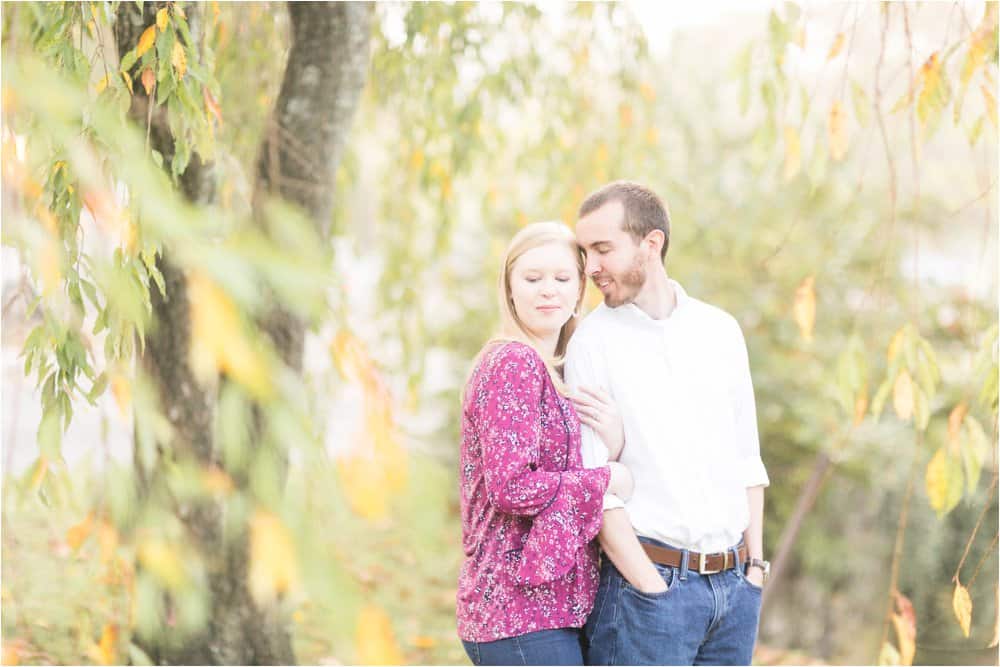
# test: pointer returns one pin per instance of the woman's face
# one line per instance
(545, 285)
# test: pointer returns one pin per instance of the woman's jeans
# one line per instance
(545, 647)
(701, 619)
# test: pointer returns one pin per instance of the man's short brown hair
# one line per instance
(644, 211)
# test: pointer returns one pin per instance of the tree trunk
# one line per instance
(326, 70)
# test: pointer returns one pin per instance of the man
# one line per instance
(687, 591)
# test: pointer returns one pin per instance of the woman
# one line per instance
(530, 511)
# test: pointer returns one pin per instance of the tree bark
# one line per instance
(326, 70)
(298, 158)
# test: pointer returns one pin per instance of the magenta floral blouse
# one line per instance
(530, 511)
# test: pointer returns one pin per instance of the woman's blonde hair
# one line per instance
(511, 327)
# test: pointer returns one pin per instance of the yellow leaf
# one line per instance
(861, 405)
(895, 344)
(423, 641)
(78, 533)
(906, 628)
(624, 116)
(11, 653)
(102, 84)
(793, 153)
(362, 481)
(944, 482)
(121, 388)
(107, 538)
(934, 92)
(961, 602)
(128, 82)
(836, 132)
(163, 562)
(991, 104)
(838, 44)
(653, 136)
(955, 419)
(178, 58)
(350, 357)
(218, 338)
(800, 38)
(888, 655)
(145, 41)
(211, 104)
(148, 79)
(974, 58)
(647, 91)
(49, 265)
(38, 473)
(180, 10)
(804, 307)
(106, 652)
(416, 160)
(902, 395)
(375, 640)
(273, 564)
(161, 19)
(216, 481)
(602, 153)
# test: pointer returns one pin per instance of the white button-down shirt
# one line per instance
(682, 385)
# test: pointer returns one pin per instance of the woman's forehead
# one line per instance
(548, 256)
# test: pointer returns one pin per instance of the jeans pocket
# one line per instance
(754, 588)
(669, 576)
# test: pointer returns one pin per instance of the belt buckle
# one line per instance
(702, 561)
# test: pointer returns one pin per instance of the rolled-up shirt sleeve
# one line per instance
(581, 369)
(745, 412)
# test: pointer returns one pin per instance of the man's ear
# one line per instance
(655, 239)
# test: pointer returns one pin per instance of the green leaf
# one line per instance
(975, 449)
(128, 60)
(881, 395)
(157, 157)
(50, 434)
(767, 93)
(100, 384)
(976, 129)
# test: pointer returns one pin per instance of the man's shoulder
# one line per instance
(590, 328)
(714, 317)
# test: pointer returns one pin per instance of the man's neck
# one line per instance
(657, 298)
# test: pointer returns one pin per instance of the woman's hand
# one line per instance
(598, 411)
(621, 483)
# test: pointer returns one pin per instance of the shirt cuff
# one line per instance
(612, 502)
(756, 474)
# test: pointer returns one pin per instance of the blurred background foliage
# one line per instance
(831, 175)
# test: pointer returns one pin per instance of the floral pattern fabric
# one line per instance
(530, 511)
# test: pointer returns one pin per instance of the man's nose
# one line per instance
(591, 266)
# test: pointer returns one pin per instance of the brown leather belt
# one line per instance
(700, 563)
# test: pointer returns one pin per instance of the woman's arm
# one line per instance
(509, 406)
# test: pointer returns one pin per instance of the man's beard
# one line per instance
(628, 284)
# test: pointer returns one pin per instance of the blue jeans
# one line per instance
(701, 619)
(545, 647)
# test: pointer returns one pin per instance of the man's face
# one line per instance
(615, 261)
